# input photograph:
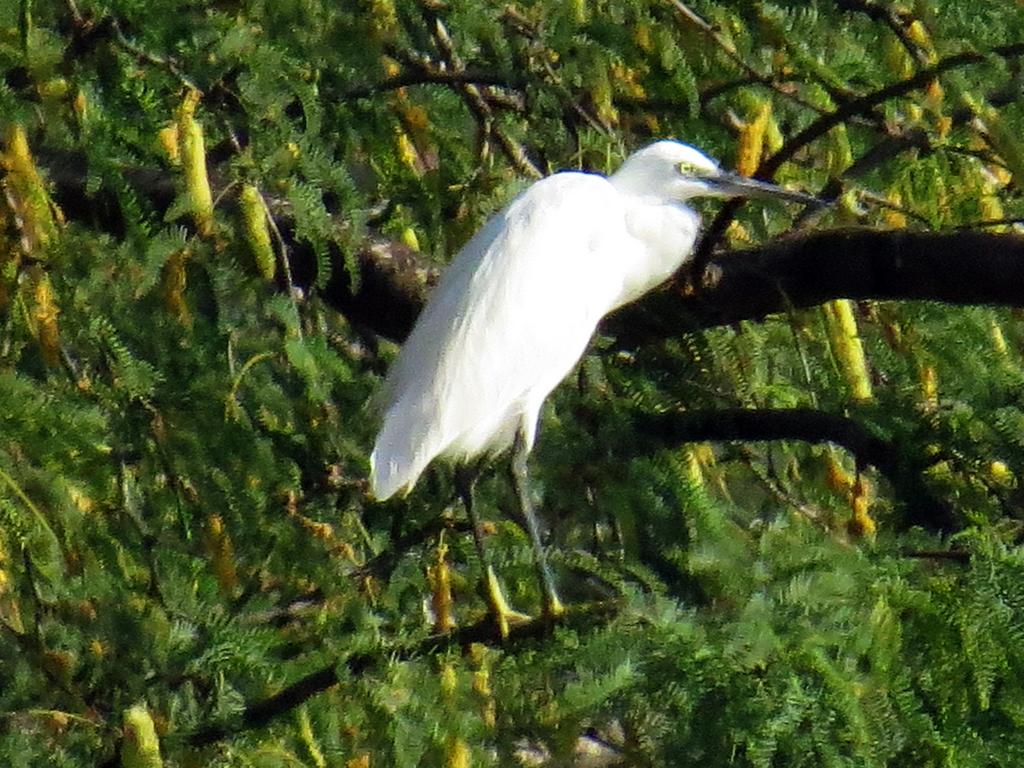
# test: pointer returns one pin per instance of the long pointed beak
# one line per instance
(730, 184)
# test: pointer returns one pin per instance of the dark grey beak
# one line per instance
(729, 184)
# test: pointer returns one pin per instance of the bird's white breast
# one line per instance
(665, 234)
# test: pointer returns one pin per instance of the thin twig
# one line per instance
(380, 566)
(773, 486)
(987, 223)
(435, 77)
(730, 51)
(827, 122)
(473, 98)
(866, 103)
(888, 15)
(148, 57)
(691, 16)
(956, 555)
(883, 202)
(75, 13)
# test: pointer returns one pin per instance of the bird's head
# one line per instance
(676, 171)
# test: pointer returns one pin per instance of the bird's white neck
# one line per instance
(667, 232)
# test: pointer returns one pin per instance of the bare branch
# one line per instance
(807, 269)
(807, 425)
(261, 712)
(435, 77)
(957, 267)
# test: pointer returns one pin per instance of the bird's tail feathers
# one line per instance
(396, 462)
(386, 478)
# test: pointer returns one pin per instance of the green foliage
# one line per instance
(184, 526)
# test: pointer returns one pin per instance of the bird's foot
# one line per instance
(505, 616)
(553, 607)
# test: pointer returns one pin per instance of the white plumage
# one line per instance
(515, 309)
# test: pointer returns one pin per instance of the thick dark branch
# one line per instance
(958, 267)
(900, 468)
(394, 279)
(259, 713)
(808, 425)
(808, 269)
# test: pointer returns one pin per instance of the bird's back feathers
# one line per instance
(510, 317)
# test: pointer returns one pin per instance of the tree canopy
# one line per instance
(783, 491)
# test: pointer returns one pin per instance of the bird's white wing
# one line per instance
(509, 318)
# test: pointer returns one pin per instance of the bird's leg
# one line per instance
(465, 482)
(521, 481)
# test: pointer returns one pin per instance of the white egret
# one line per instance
(515, 309)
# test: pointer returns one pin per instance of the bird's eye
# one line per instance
(688, 169)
